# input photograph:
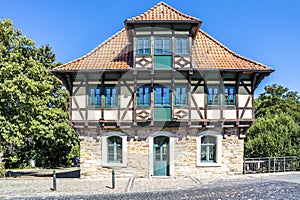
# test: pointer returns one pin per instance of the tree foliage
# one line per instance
(276, 131)
(34, 105)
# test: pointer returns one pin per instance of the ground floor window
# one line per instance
(114, 149)
(209, 148)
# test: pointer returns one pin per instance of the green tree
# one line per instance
(34, 105)
(276, 131)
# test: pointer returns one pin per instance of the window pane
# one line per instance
(166, 96)
(158, 46)
(158, 95)
(185, 46)
(167, 46)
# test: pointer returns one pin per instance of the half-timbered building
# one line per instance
(161, 97)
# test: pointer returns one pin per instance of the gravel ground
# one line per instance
(262, 186)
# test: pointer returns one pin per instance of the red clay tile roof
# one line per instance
(207, 53)
(114, 53)
(162, 11)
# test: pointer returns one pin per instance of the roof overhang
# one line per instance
(194, 25)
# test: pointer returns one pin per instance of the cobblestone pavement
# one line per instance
(231, 187)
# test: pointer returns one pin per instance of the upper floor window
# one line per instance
(213, 96)
(162, 46)
(229, 96)
(94, 96)
(111, 97)
(162, 95)
(143, 46)
(180, 96)
(143, 96)
(182, 46)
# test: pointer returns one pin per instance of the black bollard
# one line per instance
(113, 179)
(54, 180)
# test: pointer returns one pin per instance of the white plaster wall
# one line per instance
(243, 100)
(229, 114)
(110, 114)
(76, 115)
(128, 115)
(247, 114)
(199, 98)
(213, 114)
(94, 114)
(81, 101)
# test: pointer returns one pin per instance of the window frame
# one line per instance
(95, 87)
(225, 103)
(105, 162)
(105, 96)
(208, 96)
(143, 44)
(219, 138)
(148, 95)
(115, 145)
(175, 96)
(179, 50)
(162, 96)
(163, 46)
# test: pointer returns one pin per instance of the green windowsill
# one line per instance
(181, 106)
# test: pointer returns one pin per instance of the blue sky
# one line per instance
(267, 31)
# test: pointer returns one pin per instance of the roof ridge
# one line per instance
(168, 6)
(93, 50)
(231, 51)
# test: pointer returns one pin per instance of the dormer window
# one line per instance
(143, 46)
(182, 46)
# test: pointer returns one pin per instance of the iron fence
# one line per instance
(271, 164)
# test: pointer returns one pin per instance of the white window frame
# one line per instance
(219, 138)
(105, 163)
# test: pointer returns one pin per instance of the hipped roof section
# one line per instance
(117, 52)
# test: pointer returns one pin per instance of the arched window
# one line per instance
(209, 148)
(114, 149)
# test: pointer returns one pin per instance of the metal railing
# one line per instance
(271, 164)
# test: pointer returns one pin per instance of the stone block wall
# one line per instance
(138, 158)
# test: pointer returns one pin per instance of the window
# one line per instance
(180, 96)
(162, 46)
(94, 97)
(114, 149)
(143, 46)
(143, 96)
(162, 95)
(111, 97)
(213, 96)
(229, 96)
(182, 46)
(209, 148)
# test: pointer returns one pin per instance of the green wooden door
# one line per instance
(162, 103)
(161, 156)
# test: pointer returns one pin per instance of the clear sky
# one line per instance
(267, 31)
